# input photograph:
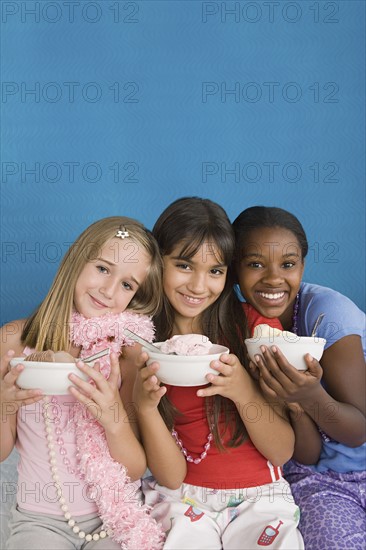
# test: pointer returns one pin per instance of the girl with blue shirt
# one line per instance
(326, 403)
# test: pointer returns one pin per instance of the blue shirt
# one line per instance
(342, 318)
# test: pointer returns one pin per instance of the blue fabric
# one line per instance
(342, 318)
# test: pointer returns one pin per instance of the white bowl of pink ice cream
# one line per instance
(186, 359)
(293, 347)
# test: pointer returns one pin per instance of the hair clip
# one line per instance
(122, 233)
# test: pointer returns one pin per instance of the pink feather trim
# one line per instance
(119, 500)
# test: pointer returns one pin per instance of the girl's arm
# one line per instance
(11, 397)
(105, 403)
(308, 441)
(339, 410)
(164, 459)
(268, 429)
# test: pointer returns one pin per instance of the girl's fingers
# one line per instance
(11, 376)
(314, 368)
(141, 360)
(115, 370)
(94, 374)
(24, 395)
(10, 380)
(5, 361)
(85, 387)
(221, 368)
(254, 370)
(157, 393)
(267, 376)
(151, 383)
(280, 364)
(83, 398)
(149, 370)
(225, 364)
(208, 392)
(20, 398)
(229, 359)
(275, 365)
(266, 389)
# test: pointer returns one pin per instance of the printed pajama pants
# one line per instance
(203, 518)
(333, 511)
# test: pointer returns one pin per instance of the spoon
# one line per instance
(141, 341)
(96, 356)
(317, 323)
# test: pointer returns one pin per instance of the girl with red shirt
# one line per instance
(215, 451)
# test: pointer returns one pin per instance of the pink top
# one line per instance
(36, 491)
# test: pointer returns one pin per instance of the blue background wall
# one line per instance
(114, 107)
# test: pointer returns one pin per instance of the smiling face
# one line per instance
(193, 284)
(270, 270)
(108, 283)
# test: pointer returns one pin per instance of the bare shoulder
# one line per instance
(11, 336)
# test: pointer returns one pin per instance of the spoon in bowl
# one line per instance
(142, 341)
(317, 323)
(96, 356)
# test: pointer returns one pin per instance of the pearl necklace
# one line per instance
(54, 472)
(188, 457)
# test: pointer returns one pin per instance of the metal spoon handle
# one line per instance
(317, 323)
(96, 356)
(141, 341)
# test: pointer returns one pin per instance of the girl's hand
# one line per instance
(279, 379)
(254, 370)
(11, 396)
(147, 390)
(231, 380)
(102, 398)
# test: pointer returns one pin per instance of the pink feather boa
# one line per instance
(119, 501)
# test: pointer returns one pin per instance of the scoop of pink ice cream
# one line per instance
(187, 344)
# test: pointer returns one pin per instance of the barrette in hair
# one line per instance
(122, 233)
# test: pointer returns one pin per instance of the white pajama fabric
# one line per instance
(233, 519)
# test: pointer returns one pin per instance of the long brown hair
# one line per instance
(48, 327)
(191, 222)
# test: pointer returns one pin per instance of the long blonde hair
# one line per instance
(48, 327)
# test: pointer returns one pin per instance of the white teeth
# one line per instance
(192, 300)
(275, 296)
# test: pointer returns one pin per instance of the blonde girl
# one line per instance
(79, 453)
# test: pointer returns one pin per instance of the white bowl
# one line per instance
(185, 370)
(293, 348)
(51, 378)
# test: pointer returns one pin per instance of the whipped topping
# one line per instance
(266, 331)
(187, 344)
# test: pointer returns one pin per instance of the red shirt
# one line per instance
(236, 467)
(254, 318)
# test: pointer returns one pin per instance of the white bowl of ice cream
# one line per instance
(186, 359)
(293, 347)
(49, 376)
